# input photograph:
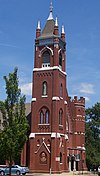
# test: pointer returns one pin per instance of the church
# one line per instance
(56, 141)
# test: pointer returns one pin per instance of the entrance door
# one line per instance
(76, 165)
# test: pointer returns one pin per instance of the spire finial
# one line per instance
(38, 26)
(63, 30)
(56, 22)
(51, 9)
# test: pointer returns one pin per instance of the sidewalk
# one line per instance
(64, 174)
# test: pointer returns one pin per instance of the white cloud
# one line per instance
(87, 99)
(26, 89)
(87, 88)
(8, 45)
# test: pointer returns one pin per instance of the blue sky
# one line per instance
(81, 18)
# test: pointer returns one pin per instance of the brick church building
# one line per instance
(56, 141)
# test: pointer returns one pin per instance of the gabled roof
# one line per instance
(43, 143)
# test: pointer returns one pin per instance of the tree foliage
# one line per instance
(93, 136)
(14, 134)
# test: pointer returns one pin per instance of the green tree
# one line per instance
(14, 134)
(93, 136)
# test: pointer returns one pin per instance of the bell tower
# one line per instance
(48, 138)
(57, 138)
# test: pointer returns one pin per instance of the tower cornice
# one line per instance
(49, 68)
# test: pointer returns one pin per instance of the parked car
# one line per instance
(15, 169)
(99, 170)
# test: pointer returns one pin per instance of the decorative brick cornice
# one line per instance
(49, 68)
(53, 135)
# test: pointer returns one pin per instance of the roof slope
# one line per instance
(48, 29)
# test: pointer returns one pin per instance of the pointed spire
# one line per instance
(56, 30)
(51, 9)
(56, 22)
(63, 33)
(38, 26)
(63, 30)
(38, 29)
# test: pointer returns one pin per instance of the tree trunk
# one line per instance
(10, 165)
(9, 169)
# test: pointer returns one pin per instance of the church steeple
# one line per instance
(57, 138)
(51, 10)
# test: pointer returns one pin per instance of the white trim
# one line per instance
(32, 135)
(45, 124)
(33, 99)
(79, 115)
(53, 135)
(49, 68)
(60, 125)
(44, 96)
(59, 50)
(43, 143)
(65, 102)
(43, 133)
(66, 136)
(57, 158)
(58, 135)
(80, 104)
(75, 133)
(46, 47)
(83, 148)
(56, 45)
(79, 147)
(46, 147)
(46, 65)
(50, 16)
(55, 98)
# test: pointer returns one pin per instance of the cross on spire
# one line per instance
(51, 7)
(51, 10)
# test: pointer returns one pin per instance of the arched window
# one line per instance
(47, 117)
(44, 88)
(41, 117)
(60, 60)
(46, 59)
(60, 117)
(60, 157)
(44, 116)
(61, 90)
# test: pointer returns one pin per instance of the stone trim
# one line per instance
(49, 68)
(56, 98)
(33, 99)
